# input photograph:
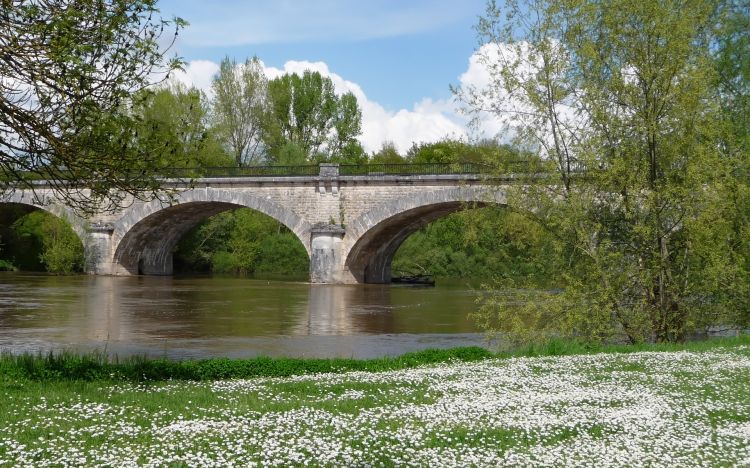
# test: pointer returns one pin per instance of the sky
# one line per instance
(397, 57)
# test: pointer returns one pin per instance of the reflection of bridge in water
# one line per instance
(350, 219)
(330, 311)
(201, 316)
(120, 312)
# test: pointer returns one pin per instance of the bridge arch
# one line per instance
(372, 239)
(32, 202)
(144, 237)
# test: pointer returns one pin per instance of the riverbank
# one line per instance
(103, 367)
(687, 405)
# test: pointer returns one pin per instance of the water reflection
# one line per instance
(104, 322)
(346, 310)
(195, 317)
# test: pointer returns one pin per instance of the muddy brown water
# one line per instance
(197, 317)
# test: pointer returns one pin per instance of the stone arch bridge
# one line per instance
(350, 219)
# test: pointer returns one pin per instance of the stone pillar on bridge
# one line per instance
(98, 249)
(326, 262)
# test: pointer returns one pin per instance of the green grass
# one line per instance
(88, 410)
(98, 366)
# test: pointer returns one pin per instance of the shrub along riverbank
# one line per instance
(98, 366)
(611, 406)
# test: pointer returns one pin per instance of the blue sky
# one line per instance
(400, 53)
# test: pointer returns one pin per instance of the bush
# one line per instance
(241, 242)
(39, 241)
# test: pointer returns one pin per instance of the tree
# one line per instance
(305, 111)
(291, 154)
(627, 90)
(68, 68)
(241, 242)
(452, 151)
(388, 154)
(732, 56)
(177, 118)
(240, 103)
(39, 241)
(733, 66)
(348, 125)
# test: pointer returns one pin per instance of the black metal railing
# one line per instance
(521, 167)
(415, 169)
(537, 167)
(307, 170)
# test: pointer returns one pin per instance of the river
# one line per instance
(199, 317)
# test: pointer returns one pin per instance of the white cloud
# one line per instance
(480, 81)
(499, 112)
(198, 73)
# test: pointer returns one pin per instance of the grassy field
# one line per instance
(688, 406)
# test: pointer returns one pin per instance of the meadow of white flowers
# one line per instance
(642, 409)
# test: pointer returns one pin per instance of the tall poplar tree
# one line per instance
(178, 117)
(306, 112)
(239, 106)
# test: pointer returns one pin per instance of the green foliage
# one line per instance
(63, 251)
(241, 242)
(291, 154)
(305, 111)
(100, 367)
(388, 154)
(74, 66)
(240, 104)
(351, 152)
(5, 265)
(450, 151)
(177, 117)
(482, 243)
(282, 254)
(562, 347)
(348, 125)
(733, 70)
(732, 56)
(39, 241)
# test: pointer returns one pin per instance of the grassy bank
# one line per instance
(99, 366)
(672, 408)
